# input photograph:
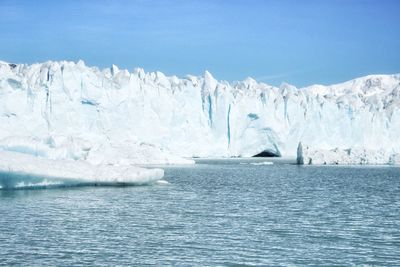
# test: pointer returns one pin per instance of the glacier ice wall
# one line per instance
(195, 116)
(351, 156)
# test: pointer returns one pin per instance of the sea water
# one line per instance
(216, 213)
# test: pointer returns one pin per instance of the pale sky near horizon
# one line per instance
(299, 42)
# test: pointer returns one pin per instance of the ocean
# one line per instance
(216, 213)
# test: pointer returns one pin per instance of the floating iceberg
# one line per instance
(24, 170)
(351, 156)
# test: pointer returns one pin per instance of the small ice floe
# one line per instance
(162, 182)
(262, 163)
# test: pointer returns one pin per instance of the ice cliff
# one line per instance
(80, 112)
(352, 156)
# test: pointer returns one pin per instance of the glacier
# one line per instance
(67, 110)
(307, 155)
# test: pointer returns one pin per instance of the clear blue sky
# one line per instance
(300, 42)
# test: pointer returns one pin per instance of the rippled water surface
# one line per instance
(217, 213)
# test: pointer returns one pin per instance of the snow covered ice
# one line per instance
(66, 110)
(24, 170)
(352, 156)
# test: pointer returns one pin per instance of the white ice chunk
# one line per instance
(262, 163)
(18, 169)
